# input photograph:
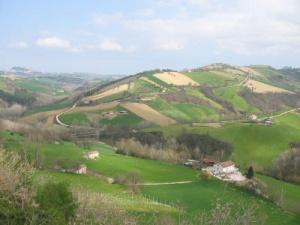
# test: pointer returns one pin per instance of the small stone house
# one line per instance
(81, 169)
(224, 168)
(92, 155)
(253, 117)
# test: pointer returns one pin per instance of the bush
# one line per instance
(57, 202)
(250, 173)
(21, 205)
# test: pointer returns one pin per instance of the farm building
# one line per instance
(199, 164)
(81, 169)
(253, 117)
(207, 162)
(268, 121)
(91, 155)
(226, 167)
(192, 163)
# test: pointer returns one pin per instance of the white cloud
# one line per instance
(19, 45)
(53, 42)
(111, 45)
(241, 27)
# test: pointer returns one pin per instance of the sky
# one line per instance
(125, 37)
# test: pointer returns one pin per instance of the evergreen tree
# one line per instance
(250, 173)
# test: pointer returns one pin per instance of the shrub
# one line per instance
(57, 202)
(250, 173)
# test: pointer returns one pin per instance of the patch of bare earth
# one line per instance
(176, 78)
(147, 113)
(112, 91)
(263, 88)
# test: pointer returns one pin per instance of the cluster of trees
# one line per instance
(208, 92)
(287, 165)
(20, 96)
(271, 102)
(23, 203)
(154, 145)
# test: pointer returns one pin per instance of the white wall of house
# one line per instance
(218, 169)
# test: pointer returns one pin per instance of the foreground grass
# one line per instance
(201, 195)
(287, 194)
(112, 193)
(192, 197)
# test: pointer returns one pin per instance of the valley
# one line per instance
(146, 126)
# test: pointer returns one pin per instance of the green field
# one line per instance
(142, 86)
(287, 193)
(112, 164)
(207, 78)
(200, 195)
(253, 144)
(184, 112)
(120, 120)
(75, 118)
(128, 119)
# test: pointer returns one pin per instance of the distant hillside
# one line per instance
(206, 94)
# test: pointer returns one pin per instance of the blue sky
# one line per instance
(125, 37)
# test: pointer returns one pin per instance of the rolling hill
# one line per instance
(229, 104)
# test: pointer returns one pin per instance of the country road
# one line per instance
(58, 115)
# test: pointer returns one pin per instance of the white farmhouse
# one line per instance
(92, 155)
(224, 168)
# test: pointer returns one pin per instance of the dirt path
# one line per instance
(281, 114)
(146, 112)
(66, 111)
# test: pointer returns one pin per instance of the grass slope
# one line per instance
(75, 118)
(112, 164)
(254, 144)
(184, 112)
(207, 78)
(200, 195)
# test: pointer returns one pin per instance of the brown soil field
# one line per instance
(260, 87)
(176, 78)
(146, 112)
(112, 91)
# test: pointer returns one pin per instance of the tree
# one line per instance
(250, 173)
